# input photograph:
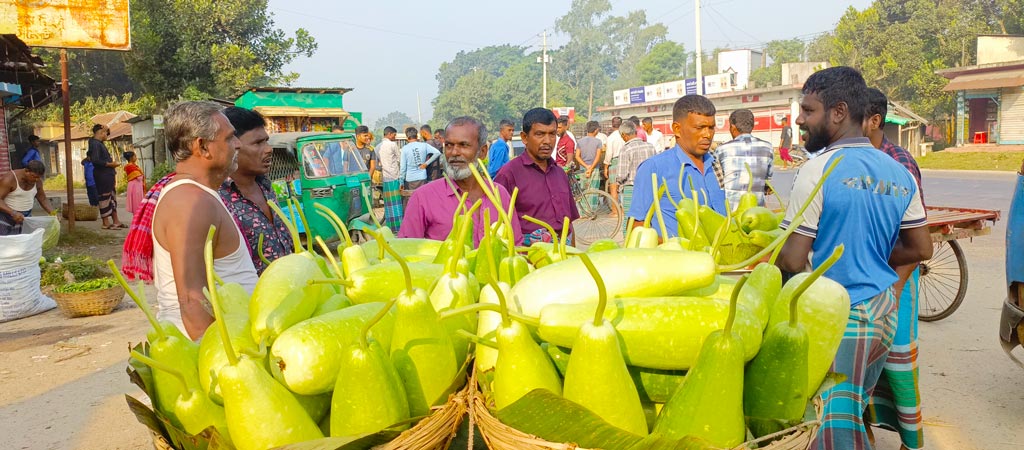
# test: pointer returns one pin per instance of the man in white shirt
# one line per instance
(654, 137)
(611, 156)
(390, 165)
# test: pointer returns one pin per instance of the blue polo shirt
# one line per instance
(497, 156)
(667, 164)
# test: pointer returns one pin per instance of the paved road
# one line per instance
(973, 396)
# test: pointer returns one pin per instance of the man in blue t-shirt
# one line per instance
(498, 153)
(693, 123)
(872, 206)
(32, 154)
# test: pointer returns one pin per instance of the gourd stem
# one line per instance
(331, 222)
(541, 223)
(502, 301)
(649, 216)
(732, 304)
(305, 225)
(750, 178)
(288, 224)
(777, 196)
(215, 298)
(664, 182)
(696, 216)
(460, 241)
(366, 198)
(139, 301)
(477, 307)
(335, 268)
(259, 250)
(508, 229)
(778, 249)
(602, 291)
(721, 232)
(338, 223)
(161, 366)
(562, 239)
(491, 191)
(629, 229)
(764, 251)
(409, 288)
(657, 206)
(345, 283)
(817, 273)
(476, 339)
(363, 342)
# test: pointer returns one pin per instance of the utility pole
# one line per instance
(419, 114)
(544, 59)
(700, 54)
(590, 103)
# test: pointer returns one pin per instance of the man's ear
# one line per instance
(482, 154)
(839, 113)
(676, 129)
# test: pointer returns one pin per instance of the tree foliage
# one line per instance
(82, 111)
(779, 52)
(396, 119)
(664, 63)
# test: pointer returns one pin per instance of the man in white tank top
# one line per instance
(204, 145)
(19, 189)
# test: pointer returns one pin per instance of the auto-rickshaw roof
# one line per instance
(289, 139)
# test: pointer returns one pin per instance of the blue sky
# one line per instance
(389, 51)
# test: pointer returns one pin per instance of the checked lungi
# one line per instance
(896, 403)
(393, 209)
(862, 353)
(625, 199)
(542, 235)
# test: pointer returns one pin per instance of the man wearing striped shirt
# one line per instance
(634, 152)
(742, 151)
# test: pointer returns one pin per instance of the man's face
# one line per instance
(31, 177)
(364, 138)
(561, 128)
(223, 149)
(391, 136)
(695, 133)
(506, 132)
(540, 141)
(103, 134)
(254, 153)
(425, 135)
(615, 124)
(648, 127)
(814, 120)
(461, 148)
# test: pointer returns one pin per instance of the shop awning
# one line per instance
(986, 80)
(896, 120)
(293, 111)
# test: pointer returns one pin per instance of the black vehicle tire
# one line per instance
(943, 282)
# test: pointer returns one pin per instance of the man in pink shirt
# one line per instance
(430, 210)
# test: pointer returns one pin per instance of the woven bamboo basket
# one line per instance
(92, 303)
(503, 437)
(83, 212)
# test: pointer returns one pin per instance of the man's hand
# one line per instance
(590, 171)
(18, 217)
(423, 166)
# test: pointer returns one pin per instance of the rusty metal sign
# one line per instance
(92, 24)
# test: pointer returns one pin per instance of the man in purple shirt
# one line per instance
(544, 192)
(430, 210)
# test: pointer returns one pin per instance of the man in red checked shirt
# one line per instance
(566, 148)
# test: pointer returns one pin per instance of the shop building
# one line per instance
(290, 109)
(990, 94)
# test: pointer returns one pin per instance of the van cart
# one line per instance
(943, 281)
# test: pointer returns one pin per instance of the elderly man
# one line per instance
(248, 192)
(18, 190)
(390, 156)
(693, 122)
(544, 192)
(205, 148)
(743, 151)
(432, 206)
(872, 206)
(634, 153)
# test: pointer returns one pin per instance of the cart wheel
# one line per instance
(943, 282)
(600, 217)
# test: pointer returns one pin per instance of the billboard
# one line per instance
(655, 92)
(716, 84)
(92, 24)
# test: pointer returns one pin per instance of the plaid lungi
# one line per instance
(542, 235)
(862, 352)
(393, 210)
(896, 403)
(626, 199)
(594, 182)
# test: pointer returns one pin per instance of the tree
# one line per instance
(779, 52)
(215, 48)
(396, 119)
(664, 63)
(494, 59)
(473, 95)
(90, 72)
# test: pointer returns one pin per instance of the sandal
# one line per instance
(107, 227)
(120, 226)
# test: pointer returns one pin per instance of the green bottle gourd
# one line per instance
(260, 412)
(369, 395)
(487, 326)
(824, 312)
(452, 290)
(597, 377)
(281, 290)
(762, 289)
(758, 218)
(212, 355)
(331, 304)
(709, 403)
(421, 349)
(601, 245)
(749, 198)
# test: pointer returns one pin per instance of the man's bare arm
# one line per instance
(41, 197)
(6, 187)
(913, 246)
(793, 257)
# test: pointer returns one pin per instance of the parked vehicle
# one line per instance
(1011, 323)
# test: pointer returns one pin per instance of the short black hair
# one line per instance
(563, 120)
(743, 120)
(877, 103)
(128, 155)
(693, 103)
(32, 138)
(425, 127)
(593, 126)
(362, 129)
(97, 127)
(244, 120)
(542, 116)
(411, 133)
(837, 85)
(616, 119)
(506, 123)
(648, 120)
(635, 120)
(439, 132)
(36, 166)
(389, 129)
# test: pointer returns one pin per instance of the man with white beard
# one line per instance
(431, 208)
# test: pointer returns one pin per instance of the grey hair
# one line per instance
(187, 121)
(627, 127)
(481, 129)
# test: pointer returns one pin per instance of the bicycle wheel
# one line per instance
(943, 282)
(600, 217)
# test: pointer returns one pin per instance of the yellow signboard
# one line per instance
(93, 24)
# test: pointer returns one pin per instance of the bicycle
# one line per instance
(600, 214)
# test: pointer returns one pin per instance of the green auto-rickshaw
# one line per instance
(320, 168)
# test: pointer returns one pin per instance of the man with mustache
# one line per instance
(544, 192)
(871, 205)
(693, 123)
(204, 146)
(248, 192)
(431, 208)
